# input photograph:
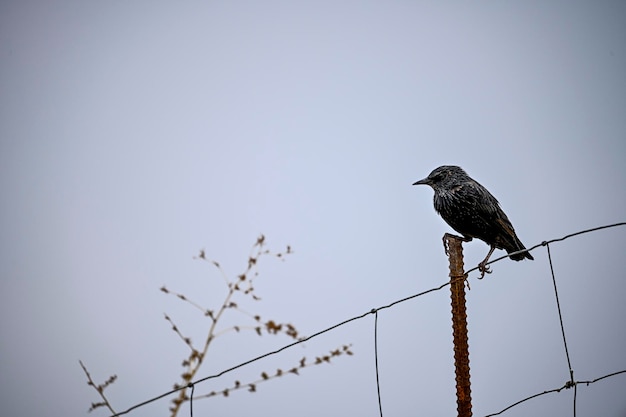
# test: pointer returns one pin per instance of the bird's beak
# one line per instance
(425, 181)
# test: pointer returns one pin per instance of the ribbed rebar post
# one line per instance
(454, 250)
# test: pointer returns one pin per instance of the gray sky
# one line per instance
(134, 134)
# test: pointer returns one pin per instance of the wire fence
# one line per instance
(571, 383)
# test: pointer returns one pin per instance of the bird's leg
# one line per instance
(482, 267)
(447, 236)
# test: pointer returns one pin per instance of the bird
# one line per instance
(471, 210)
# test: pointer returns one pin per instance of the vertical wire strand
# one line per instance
(192, 386)
(380, 404)
(558, 306)
(575, 394)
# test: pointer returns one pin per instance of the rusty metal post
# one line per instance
(454, 250)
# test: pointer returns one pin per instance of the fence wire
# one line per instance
(571, 383)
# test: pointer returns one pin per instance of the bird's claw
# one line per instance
(484, 269)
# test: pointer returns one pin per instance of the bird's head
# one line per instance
(445, 177)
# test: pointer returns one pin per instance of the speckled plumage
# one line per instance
(472, 211)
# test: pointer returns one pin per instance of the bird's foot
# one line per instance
(484, 269)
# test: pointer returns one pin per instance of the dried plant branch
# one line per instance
(265, 376)
(184, 298)
(100, 389)
(243, 284)
(186, 340)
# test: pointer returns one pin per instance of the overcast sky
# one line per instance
(135, 134)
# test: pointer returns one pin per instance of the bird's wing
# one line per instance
(490, 212)
(487, 205)
(505, 225)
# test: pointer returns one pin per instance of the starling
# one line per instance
(472, 211)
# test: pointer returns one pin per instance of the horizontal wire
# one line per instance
(602, 377)
(545, 242)
(372, 311)
(567, 385)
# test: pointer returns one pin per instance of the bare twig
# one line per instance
(243, 283)
(100, 389)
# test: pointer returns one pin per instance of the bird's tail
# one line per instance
(520, 256)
